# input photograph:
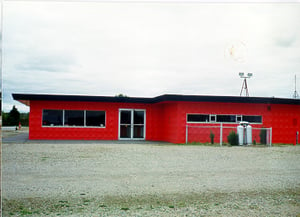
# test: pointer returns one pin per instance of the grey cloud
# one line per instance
(46, 63)
(286, 40)
(174, 49)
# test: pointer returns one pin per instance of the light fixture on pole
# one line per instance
(295, 95)
(245, 86)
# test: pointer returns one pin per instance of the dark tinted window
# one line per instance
(95, 118)
(74, 118)
(197, 118)
(138, 117)
(252, 118)
(226, 118)
(52, 117)
(125, 117)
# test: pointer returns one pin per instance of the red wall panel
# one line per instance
(165, 121)
(110, 132)
(284, 119)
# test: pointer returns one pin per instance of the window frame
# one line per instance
(233, 122)
(239, 118)
(254, 116)
(85, 118)
(213, 118)
(72, 126)
(62, 121)
(187, 119)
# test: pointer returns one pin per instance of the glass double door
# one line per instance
(132, 124)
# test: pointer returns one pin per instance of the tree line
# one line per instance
(14, 117)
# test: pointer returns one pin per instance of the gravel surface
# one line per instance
(149, 180)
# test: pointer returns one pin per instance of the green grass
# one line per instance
(44, 158)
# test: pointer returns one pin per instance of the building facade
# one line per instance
(162, 118)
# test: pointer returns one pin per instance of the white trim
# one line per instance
(131, 124)
(210, 117)
(238, 116)
(119, 126)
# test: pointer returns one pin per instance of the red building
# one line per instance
(162, 118)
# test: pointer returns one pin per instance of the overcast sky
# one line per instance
(148, 49)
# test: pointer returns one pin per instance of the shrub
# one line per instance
(233, 138)
(212, 136)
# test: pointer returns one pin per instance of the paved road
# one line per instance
(23, 137)
(18, 138)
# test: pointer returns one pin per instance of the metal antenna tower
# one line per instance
(244, 85)
(295, 95)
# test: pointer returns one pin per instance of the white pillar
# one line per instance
(271, 136)
(186, 134)
(221, 134)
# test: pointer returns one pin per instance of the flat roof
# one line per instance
(26, 98)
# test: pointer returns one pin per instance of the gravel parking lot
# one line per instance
(149, 179)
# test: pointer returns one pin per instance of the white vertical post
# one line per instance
(221, 134)
(270, 136)
(186, 134)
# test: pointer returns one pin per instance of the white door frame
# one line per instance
(132, 124)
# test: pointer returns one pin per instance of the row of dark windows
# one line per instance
(81, 118)
(209, 118)
(97, 118)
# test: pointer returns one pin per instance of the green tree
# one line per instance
(13, 117)
(24, 119)
(121, 95)
(7, 120)
(4, 118)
